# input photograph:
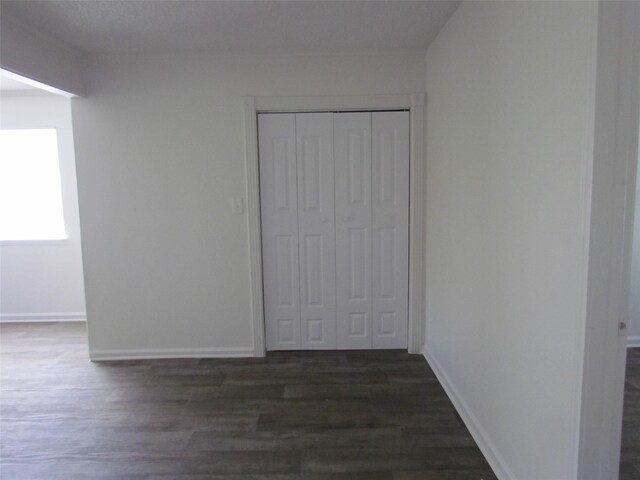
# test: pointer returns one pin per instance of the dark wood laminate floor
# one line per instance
(630, 455)
(377, 415)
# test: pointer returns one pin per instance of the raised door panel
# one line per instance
(314, 132)
(279, 214)
(352, 138)
(390, 229)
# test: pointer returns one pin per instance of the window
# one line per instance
(30, 191)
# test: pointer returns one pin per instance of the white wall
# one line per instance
(43, 280)
(511, 92)
(160, 153)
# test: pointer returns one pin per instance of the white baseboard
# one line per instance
(633, 341)
(43, 317)
(153, 353)
(497, 463)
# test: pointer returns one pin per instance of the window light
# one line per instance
(30, 191)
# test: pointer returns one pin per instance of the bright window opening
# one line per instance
(30, 191)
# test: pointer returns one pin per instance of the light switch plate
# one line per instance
(237, 206)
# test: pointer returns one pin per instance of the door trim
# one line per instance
(415, 103)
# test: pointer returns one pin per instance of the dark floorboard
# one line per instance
(378, 415)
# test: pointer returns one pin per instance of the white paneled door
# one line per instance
(334, 191)
(314, 133)
(390, 228)
(352, 137)
(279, 207)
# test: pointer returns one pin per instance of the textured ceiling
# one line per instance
(98, 26)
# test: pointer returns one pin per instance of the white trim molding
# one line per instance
(415, 103)
(479, 434)
(633, 341)
(43, 317)
(331, 103)
(155, 353)
(252, 171)
(417, 265)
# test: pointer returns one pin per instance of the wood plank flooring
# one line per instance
(377, 415)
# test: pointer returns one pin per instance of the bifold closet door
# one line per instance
(352, 146)
(334, 192)
(372, 228)
(298, 238)
(390, 239)
(314, 133)
(279, 212)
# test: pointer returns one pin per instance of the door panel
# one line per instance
(279, 214)
(358, 263)
(313, 260)
(352, 146)
(314, 133)
(386, 262)
(285, 270)
(390, 239)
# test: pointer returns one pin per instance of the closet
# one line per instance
(334, 194)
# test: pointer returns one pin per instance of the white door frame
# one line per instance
(415, 103)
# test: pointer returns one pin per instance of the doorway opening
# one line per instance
(630, 466)
(41, 267)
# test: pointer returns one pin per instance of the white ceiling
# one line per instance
(99, 26)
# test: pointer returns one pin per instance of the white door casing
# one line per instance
(415, 103)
